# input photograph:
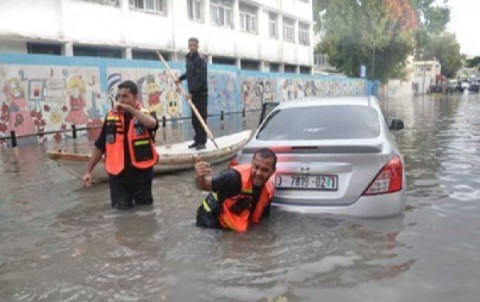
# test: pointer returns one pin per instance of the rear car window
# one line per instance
(321, 122)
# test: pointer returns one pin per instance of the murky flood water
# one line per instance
(59, 242)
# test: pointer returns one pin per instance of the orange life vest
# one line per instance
(238, 221)
(140, 144)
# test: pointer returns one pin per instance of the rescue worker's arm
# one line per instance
(145, 118)
(203, 177)
(87, 177)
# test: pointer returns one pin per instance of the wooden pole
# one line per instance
(194, 109)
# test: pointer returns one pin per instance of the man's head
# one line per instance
(263, 166)
(127, 93)
(193, 45)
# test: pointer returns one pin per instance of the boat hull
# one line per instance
(174, 157)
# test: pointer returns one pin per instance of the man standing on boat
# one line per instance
(127, 140)
(238, 196)
(196, 76)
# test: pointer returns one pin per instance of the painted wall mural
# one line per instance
(292, 88)
(222, 92)
(36, 99)
(257, 90)
(156, 90)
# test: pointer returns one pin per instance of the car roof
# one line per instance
(368, 101)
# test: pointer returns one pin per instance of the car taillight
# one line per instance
(234, 162)
(388, 180)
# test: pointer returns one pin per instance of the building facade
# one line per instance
(268, 35)
(425, 74)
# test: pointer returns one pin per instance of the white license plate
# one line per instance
(314, 182)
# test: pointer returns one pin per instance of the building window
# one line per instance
(305, 70)
(155, 6)
(303, 34)
(290, 68)
(250, 65)
(44, 49)
(91, 51)
(195, 11)
(248, 18)
(221, 12)
(320, 59)
(274, 67)
(223, 61)
(273, 26)
(288, 30)
(109, 2)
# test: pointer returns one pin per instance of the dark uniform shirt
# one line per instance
(129, 173)
(196, 73)
(229, 183)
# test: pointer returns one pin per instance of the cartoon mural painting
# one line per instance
(256, 91)
(35, 98)
(18, 113)
(76, 89)
(222, 92)
(155, 90)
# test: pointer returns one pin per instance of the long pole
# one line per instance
(189, 100)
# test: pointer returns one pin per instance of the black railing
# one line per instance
(74, 129)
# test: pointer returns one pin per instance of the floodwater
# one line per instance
(59, 242)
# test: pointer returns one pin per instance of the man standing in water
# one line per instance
(127, 140)
(238, 196)
(196, 76)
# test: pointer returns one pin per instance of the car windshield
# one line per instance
(321, 122)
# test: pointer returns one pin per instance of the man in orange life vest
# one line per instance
(239, 195)
(127, 139)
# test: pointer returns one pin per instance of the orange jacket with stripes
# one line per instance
(141, 147)
(239, 221)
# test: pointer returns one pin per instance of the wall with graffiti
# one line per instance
(48, 93)
(256, 90)
(36, 99)
(156, 89)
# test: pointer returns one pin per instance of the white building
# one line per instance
(425, 74)
(268, 35)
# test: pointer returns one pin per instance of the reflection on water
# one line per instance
(62, 243)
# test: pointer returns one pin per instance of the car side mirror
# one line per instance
(396, 125)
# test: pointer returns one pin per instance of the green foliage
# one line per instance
(474, 62)
(367, 32)
(446, 49)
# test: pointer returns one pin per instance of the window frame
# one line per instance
(223, 13)
(288, 27)
(273, 24)
(157, 6)
(195, 13)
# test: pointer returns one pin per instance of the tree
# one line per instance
(473, 62)
(375, 33)
(432, 20)
(445, 49)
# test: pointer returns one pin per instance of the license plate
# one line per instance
(314, 182)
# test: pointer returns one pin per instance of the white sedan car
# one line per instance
(335, 155)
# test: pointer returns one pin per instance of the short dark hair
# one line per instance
(130, 85)
(267, 153)
(193, 39)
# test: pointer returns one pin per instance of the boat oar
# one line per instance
(189, 100)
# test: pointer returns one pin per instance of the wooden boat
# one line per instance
(172, 157)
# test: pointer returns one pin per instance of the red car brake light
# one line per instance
(234, 162)
(388, 180)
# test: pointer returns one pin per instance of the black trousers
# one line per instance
(200, 100)
(124, 193)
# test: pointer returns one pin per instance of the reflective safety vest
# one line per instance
(236, 212)
(140, 144)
